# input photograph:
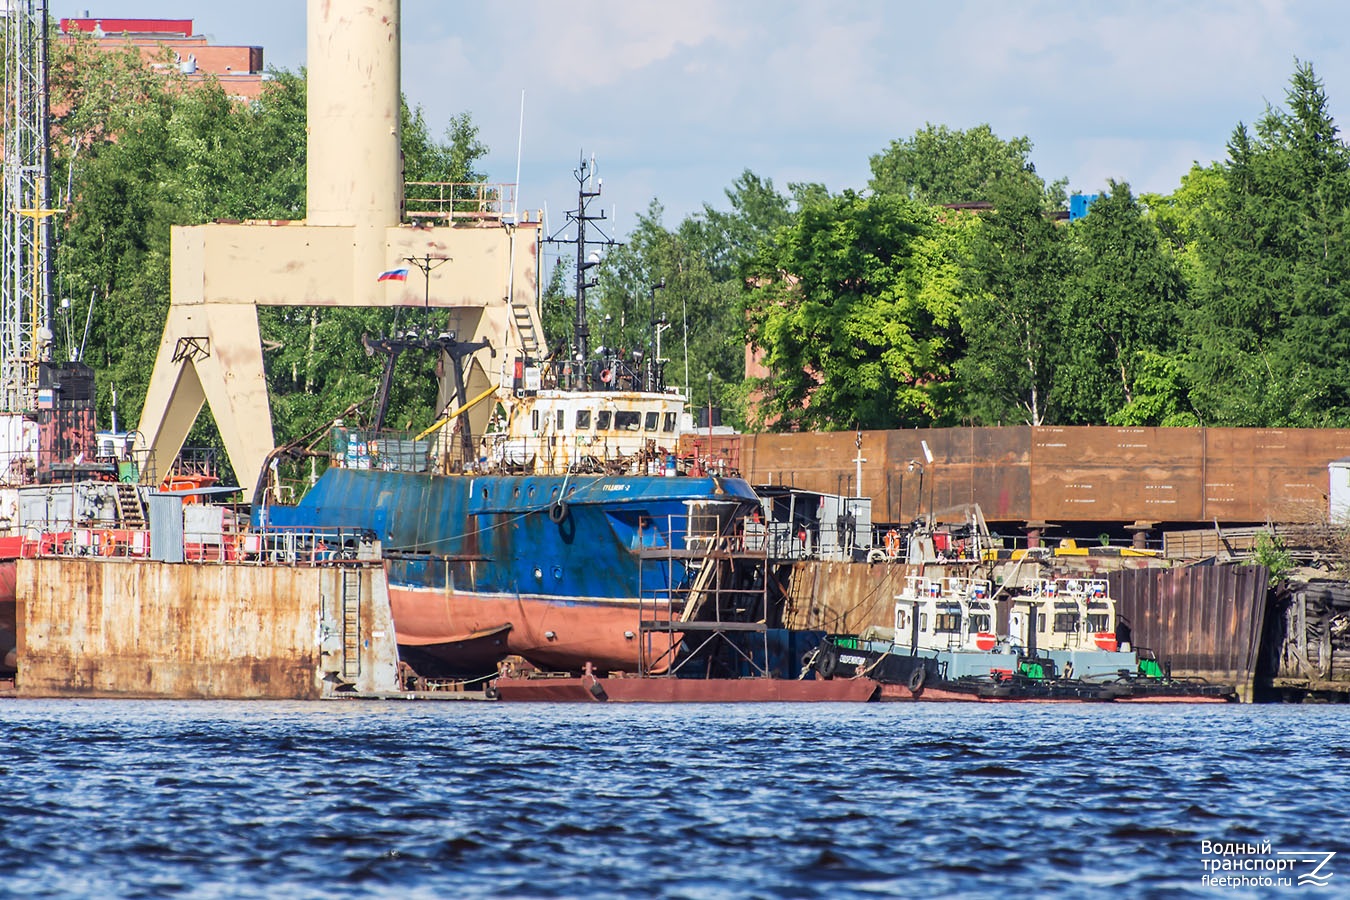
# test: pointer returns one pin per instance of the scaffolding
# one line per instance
(703, 599)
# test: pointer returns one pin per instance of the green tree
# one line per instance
(1270, 336)
(669, 280)
(1178, 216)
(557, 308)
(1122, 301)
(939, 165)
(849, 334)
(1012, 314)
(1161, 396)
(110, 132)
(728, 239)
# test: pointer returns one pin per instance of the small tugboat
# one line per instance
(943, 647)
(1076, 621)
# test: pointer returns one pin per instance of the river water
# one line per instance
(458, 800)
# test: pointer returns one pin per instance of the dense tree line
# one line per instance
(950, 290)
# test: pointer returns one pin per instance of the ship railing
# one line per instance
(784, 540)
(275, 545)
(134, 466)
(702, 454)
(457, 200)
(380, 449)
(91, 541)
(262, 547)
(197, 462)
(631, 453)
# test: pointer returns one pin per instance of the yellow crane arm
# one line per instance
(440, 423)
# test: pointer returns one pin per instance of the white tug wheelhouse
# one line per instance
(945, 614)
(1069, 614)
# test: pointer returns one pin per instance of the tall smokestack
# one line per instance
(353, 152)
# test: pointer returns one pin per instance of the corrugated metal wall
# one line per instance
(1207, 620)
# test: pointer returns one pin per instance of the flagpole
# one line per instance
(427, 264)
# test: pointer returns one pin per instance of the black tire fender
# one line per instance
(917, 679)
(827, 662)
(557, 512)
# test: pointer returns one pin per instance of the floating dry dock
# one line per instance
(95, 627)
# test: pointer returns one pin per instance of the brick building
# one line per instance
(238, 69)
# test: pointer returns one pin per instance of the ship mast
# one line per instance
(588, 188)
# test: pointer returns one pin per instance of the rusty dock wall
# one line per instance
(842, 597)
(1207, 621)
(137, 628)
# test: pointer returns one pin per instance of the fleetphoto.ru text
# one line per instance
(1238, 864)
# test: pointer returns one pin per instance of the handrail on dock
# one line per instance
(248, 546)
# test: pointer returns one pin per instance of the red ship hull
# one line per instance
(589, 689)
(445, 629)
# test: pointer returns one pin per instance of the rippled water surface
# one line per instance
(353, 799)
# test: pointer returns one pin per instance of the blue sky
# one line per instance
(676, 100)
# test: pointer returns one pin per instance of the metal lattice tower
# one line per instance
(26, 282)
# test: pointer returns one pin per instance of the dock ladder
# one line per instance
(351, 622)
(717, 613)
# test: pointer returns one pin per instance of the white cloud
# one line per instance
(678, 99)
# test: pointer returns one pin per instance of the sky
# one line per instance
(676, 100)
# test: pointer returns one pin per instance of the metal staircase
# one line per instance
(130, 508)
(525, 326)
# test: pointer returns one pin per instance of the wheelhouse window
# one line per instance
(534, 419)
(668, 425)
(602, 420)
(627, 420)
(1066, 623)
(562, 418)
(978, 623)
(583, 420)
(652, 418)
(947, 623)
(1099, 621)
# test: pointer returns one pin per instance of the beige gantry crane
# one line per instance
(211, 351)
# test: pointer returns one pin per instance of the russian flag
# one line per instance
(394, 275)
